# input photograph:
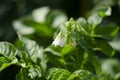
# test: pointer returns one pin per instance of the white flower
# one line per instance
(59, 40)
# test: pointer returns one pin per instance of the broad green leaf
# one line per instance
(110, 67)
(8, 53)
(81, 75)
(59, 20)
(62, 74)
(54, 59)
(104, 47)
(23, 29)
(94, 20)
(45, 15)
(83, 23)
(106, 32)
(43, 29)
(5, 62)
(67, 49)
(58, 74)
(23, 75)
(117, 76)
(31, 72)
(39, 15)
(95, 62)
(56, 18)
(7, 50)
(52, 51)
(34, 51)
(34, 71)
(75, 59)
(105, 12)
(86, 42)
(115, 44)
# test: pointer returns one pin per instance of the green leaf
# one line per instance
(8, 53)
(117, 76)
(115, 44)
(106, 11)
(110, 67)
(7, 49)
(54, 57)
(43, 29)
(59, 18)
(81, 75)
(56, 18)
(58, 74)
(67, 49)
(107, 32)
(86, 42)
(49, 49)
(23, 29)
(34, 71)
(39, 15)
(23, 75)
(94, 20)
(83, 23)
(34, 52)
(62, 74)
(104, 47)
(31, 72)
(95, 62)
(5, 62)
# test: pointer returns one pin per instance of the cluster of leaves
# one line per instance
(74, 53)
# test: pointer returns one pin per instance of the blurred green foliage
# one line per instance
(12, 9)
(89, 46)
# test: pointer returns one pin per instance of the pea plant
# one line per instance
(52, 48)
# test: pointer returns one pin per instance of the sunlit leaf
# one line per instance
(81, 75)
(58, 74)
(22, 28)
(105, 12)
(115, 44)
(110, 67)
(34, 51)
(29, 73)
(8, 53)
(94, 19)
(7, 49)
(40, 14)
